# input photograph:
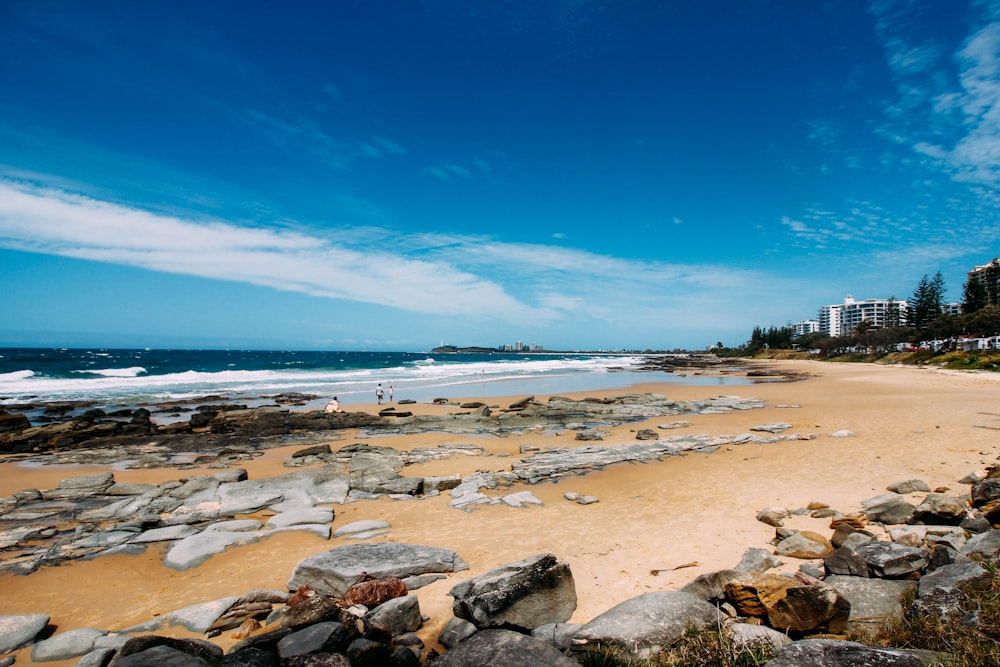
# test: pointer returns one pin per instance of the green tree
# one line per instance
(974, 297)
(927, 301)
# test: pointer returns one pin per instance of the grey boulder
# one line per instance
(333, 572)
(504, 648)
(521, 595)
(66, 645)
(645, 624)
(18, 630)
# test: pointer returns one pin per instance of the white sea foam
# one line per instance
(115, 372)
(420, 379)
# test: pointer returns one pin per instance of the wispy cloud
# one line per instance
(57, 222)
(448, 171)
(947, 106)
(474, 278)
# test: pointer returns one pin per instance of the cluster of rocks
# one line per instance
(197, 516)
(209, 428)
(221, 429)
(353, 605)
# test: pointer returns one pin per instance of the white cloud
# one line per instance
(61, 223)
(947, 109)
(463, 277)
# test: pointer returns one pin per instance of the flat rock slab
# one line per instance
(66, 645)
(300, 516)
(873, 601)
(333, 572)
(164, 534)
(363, 526)
(196, 549)
(504, 648)
(646, 623)
(196, 618)
(19, 630)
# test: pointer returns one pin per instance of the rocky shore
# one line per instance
(827, 570)
(353, 605)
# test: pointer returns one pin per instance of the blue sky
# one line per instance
(391, 175)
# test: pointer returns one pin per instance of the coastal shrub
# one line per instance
(971, 641)
(697, 648)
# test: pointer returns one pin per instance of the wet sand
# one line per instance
(908, 423)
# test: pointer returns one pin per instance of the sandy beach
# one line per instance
(908, 422)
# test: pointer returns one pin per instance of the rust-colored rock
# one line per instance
(301, 594)
(858, 521)
(373, 592)
(753, 595)
(810, 608)
(247, 628)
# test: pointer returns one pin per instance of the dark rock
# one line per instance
(265, 641)
(835, 653)
(504, 648)
(986, 491)
(325, 637)
(521, 595)
(941, 510)
(366, 653)
(877, 559)
(315, 609)
(318, 660)
(166, 652)
(13, 423)
(250, 657)
(315, 450)
(647, 434)
(950, 577)
(456, 630)
(891, 512)
(405, 657)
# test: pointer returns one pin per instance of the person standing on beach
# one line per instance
(390, 393)
(379, 394)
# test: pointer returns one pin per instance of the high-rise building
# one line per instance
(805, 327)
(843, 318)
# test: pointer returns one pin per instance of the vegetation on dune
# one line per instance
(903, 332)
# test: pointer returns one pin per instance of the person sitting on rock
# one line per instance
(332, 406)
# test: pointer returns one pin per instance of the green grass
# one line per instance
(697, 648)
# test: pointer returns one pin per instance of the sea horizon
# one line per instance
(110, 377)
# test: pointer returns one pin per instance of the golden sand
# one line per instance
(908, 423)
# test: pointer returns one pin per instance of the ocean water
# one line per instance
(136, 377)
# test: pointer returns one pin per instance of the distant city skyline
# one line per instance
(379, 175)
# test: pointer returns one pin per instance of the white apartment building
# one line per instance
(805, 327)
(843, 318)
